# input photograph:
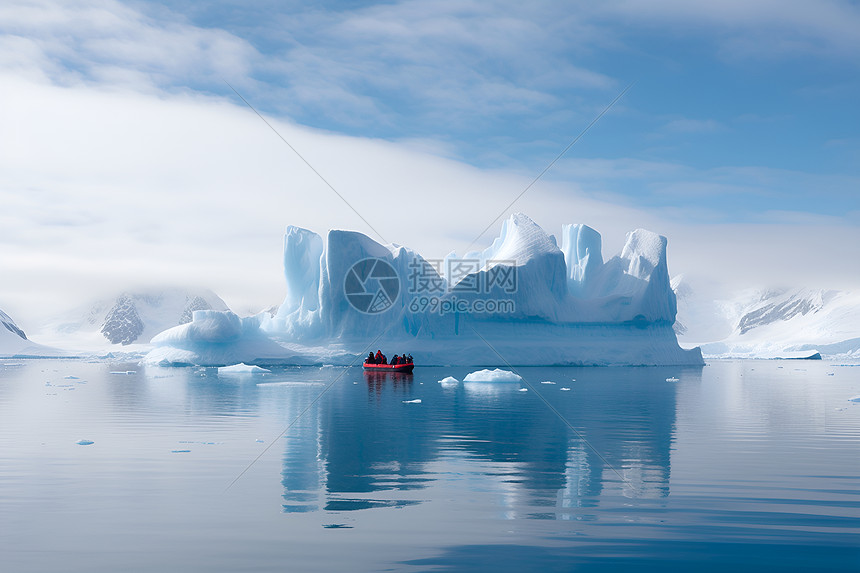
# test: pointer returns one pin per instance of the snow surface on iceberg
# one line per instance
(497, 375)
(547, 305)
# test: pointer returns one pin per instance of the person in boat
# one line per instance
(395, 361)
(408, 359)
(378, 357)
(370, 359)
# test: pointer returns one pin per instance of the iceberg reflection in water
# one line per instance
(740, 464)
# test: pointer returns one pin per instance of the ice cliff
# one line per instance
(523, 300)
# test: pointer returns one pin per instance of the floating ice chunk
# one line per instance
(672, 379)
(854, 398)
(416, 401)
(260, 440)
(523, 389)
(547, 382)
(126, 372)
(565, 389)
(242, 368)
(85, 442)
(70, 378)
(449, 382)
(496, 375)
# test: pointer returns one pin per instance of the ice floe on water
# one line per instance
(672, 379)
(242, 368)
(855, 399)
(180, 451)
(85, 442)
(523, 390)
(123, 372)
(449, 382)
(416, 401)
(564, 389)
(497, 375)
(547, 382)
(70, 377)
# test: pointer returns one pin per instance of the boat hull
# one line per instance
(389, 367)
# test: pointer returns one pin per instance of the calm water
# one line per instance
(746, 465)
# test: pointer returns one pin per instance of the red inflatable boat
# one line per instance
(389, 367)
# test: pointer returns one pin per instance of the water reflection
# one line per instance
(378, 448)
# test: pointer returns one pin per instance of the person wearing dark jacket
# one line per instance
(370, 359)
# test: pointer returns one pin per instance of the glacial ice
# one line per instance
(449, 382)
(242, 368)
(560, 306)
(497, 375)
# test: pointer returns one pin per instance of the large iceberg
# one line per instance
(521, 301)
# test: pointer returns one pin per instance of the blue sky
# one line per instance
(768, 86)
(738, 140)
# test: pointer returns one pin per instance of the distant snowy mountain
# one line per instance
(771, 322)
(14, 342)
(131, 317)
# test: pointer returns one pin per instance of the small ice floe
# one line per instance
(242, 368)
(672, 379)
(85, 442)
(573, 379)
(547, 382)
(70, 378)
(260, 440)
(564, 389)
(449, 382)
(496, 375)
(48, 383)
(855, 399)
(523, 390)
(416, 401)
(180, 451)
(123, 372)
(840, 409)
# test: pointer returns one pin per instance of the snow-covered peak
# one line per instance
(644, 251)
(13, 341)
(9, 324)
(521, 240)
(130, 317)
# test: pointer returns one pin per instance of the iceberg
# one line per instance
(242, 368)
(522, 301)
(496, 375)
